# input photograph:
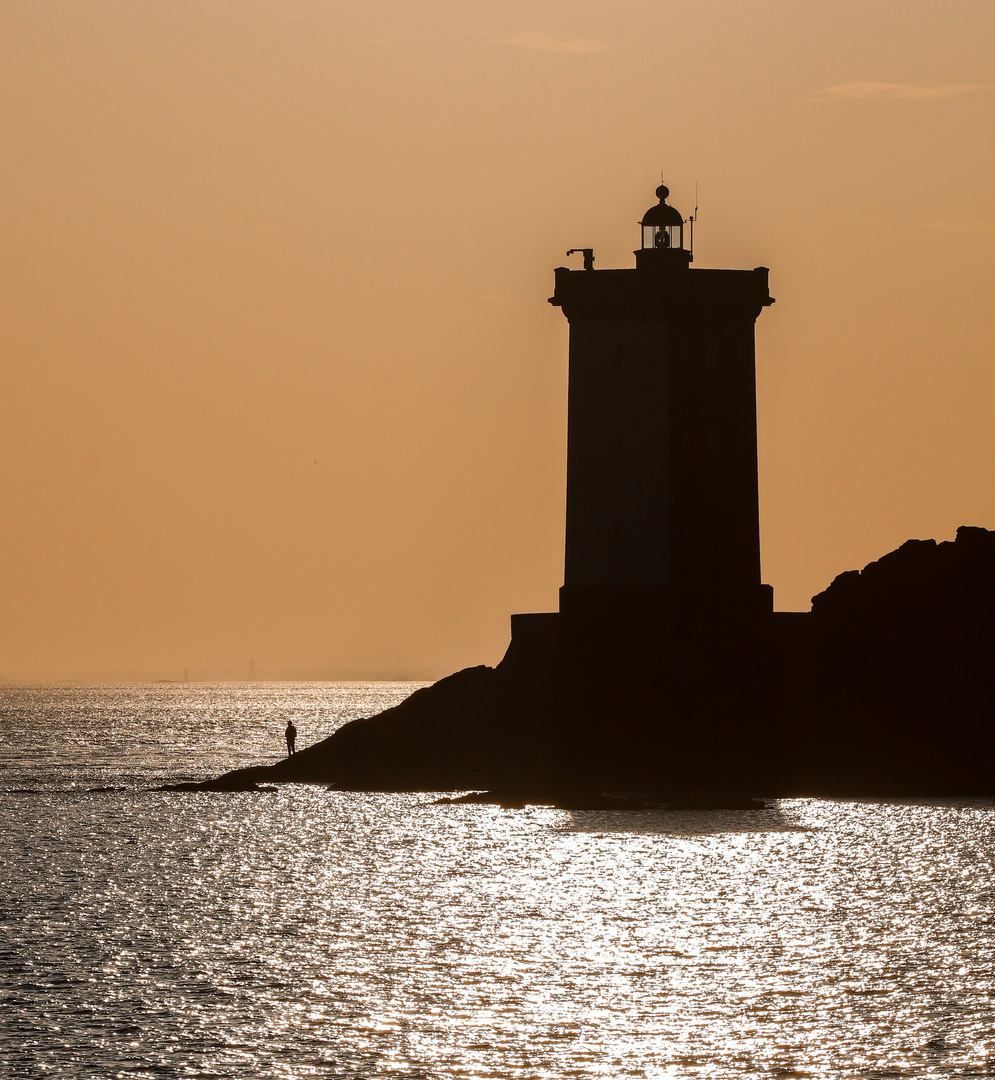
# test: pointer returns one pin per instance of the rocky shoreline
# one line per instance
(886, 688)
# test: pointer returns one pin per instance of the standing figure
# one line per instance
(291, 734)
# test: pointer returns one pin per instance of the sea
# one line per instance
(309, 932)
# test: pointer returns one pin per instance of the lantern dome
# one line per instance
(663, 213)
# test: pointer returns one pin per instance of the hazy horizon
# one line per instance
(280, 378)
(187, 676)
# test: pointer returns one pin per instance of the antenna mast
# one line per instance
(693, 218)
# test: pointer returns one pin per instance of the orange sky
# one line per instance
(279, 376)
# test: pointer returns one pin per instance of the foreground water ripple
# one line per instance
(321, 933)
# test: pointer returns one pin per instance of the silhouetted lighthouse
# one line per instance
(662, 503)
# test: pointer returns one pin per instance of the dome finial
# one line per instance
(662, 192)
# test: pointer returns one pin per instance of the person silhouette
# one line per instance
(291, 734)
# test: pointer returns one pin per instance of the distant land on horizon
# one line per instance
(219, 675)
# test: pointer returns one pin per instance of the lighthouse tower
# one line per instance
(662, 496)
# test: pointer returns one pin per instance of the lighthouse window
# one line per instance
(662, 237)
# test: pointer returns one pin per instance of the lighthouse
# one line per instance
(662, 514)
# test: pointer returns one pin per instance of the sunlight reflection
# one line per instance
(312, 932)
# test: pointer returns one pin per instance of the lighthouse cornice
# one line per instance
(664, 292)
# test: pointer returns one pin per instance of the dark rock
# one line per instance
(238, 780)
(886, 688)
(899, 685)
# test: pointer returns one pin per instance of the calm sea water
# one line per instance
(318, 933)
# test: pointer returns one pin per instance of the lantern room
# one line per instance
(663, 233)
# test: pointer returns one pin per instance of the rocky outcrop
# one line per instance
(919, 578)
(482, 728)
(899, 680)
(886, 688)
